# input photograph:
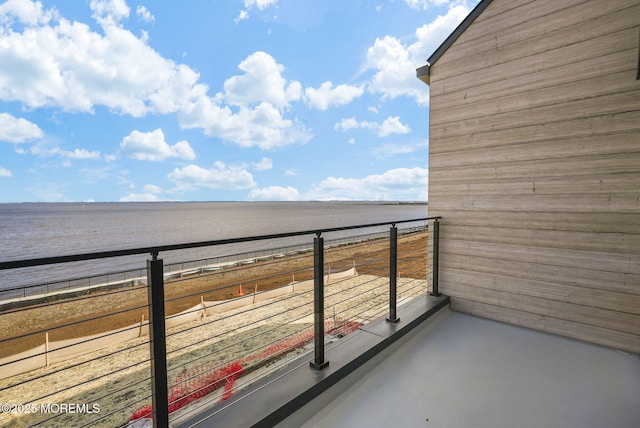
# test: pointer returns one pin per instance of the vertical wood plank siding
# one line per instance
(535, 167)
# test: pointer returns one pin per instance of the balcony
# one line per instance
(390, 354)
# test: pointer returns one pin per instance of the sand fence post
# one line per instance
(46, 349)
(141, 325)
(204, 308)
(319, 362)
(158, 342)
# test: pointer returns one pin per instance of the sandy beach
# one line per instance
(117, 378)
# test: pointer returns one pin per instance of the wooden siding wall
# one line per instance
(535, 168)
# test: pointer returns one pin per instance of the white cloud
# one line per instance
(140, 197)
(326, 95)
(262, 126)
(395, 63)
(351, 123)
(49, 191)
(395, 184)
(424, 4)
(81, 154)
(255, 115)
(18, 130)
(49, 61)
(391, 125)
(262, 81)
(53, 62)
(220, 176)
(151, 146)
(394, 149)
(152, 188)
(150, 194)
(4, 172)
(431, 35)
(274, 193)
(144, 14)
(417, 4)
(260, 4)
(249, 4)
(291, 172)
(263, 164)
(109, 12)
(27, 12)
(244, 14)
(395, 72)
(92, 174)
(43, 149)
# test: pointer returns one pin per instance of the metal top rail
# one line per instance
(155, 250)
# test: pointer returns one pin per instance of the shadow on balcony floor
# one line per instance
(457, 370)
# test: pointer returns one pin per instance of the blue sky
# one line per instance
(107, 100)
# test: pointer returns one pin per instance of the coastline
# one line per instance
(43, 230)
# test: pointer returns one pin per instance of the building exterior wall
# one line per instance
(534, 166)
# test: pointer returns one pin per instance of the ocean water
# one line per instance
(34, 230)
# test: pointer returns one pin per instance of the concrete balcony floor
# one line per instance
(457, 370)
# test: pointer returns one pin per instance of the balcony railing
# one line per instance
(113, 348)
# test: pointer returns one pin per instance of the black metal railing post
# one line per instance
(436, 253)
(393, 273)
(158, 343)
(318, 304)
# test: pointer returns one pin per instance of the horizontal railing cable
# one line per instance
(111, 333)
(72, 299)
(275, 315)
(93, 379)
(76, 365)
(235, 284)
(239, 313)
(72, 323)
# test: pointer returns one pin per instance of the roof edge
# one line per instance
(423, 74)
(458, 31)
